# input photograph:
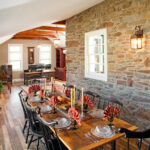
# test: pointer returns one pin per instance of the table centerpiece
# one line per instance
(110, 112)
(75, 117)
(34, 89)
(53, 103)
(87, 102)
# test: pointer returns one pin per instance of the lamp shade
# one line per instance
(136, 39)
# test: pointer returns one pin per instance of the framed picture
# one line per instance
(31, 55)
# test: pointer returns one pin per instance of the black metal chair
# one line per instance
(35, 128)
(66, 86)
(78, 91)
(103, 101)
(137, 135)
(51, 139)
(26, 124)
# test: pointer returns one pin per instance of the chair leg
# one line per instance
(27, 134)
(139, 143)
(149, 147)
(30, 141)
(128, 143)
(25, 125)
(37, 145)
(113, 145)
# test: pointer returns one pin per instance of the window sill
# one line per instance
(97, 77)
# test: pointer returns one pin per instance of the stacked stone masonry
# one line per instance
(128, 70)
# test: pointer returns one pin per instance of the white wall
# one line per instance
(26, 44)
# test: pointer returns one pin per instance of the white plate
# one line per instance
(103, 131)
(62, 122)
(35, 99)
(45, 109)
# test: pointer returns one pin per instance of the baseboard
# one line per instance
(18, 80)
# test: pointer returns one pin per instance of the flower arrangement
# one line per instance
(41, 95)
(75, 116)
(53, 103)
(110, 112)
(34, 89)
(67, 92)
(87, 102)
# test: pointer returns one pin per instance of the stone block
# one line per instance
(121, 82)
(72, 44)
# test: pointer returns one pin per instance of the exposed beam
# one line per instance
(31, 38)
(32, 35)
(33, 31)
(63, 22)
(36, 32)
(51, 28)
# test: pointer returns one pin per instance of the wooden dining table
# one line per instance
(77, 139)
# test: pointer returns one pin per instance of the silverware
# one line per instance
(63, 129)
(88, 135)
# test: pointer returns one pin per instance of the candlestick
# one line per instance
(45, 84)
(71, 96)
(82, 102)
(74, 95)
(51, 84)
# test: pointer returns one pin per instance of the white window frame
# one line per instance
(88, 74)
(21, 45)
(50, 61)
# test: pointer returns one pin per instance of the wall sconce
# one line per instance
(136, 39)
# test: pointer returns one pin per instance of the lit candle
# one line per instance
(74, 95)
(51, 83)
(71, 96)
(45, 84)
(82, 100)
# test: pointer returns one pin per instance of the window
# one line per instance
(45, 54)
(15, 56)
(96, 54)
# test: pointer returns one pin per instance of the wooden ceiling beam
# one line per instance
(51, 28)
(63, 22)
(34, 36)
(31, 38)
(35, 32)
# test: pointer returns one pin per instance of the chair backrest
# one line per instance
(105, 101)
(50, 135)
(66, 86)
(32, 115)
(22, 103)
(135, 134)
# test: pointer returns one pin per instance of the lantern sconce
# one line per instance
(136, 38)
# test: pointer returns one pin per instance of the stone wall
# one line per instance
(128, 70)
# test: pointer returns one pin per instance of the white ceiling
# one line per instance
(19, 15)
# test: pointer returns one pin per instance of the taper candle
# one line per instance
(82, 100)
(74, 95)
(51, 84)
(71, 96)
(45, 84)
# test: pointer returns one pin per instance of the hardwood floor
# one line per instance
(12, 120)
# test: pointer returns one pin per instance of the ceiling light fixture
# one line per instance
(57, 39)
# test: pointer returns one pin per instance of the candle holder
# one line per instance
(74, 124)
(82, 115)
